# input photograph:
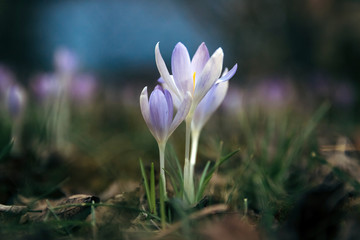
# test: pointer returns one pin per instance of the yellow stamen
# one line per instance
(194, 81)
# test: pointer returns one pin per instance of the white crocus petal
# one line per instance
(200, 58)
(226, 70)
(164, 72)
(227, 75)
(209, 75)
(208, 105)
(181, 68)
(182, 112)
(145, 109)
(175, 98)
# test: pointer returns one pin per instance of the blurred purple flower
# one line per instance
(45, 86)
(344, 94)
(274, 93)
(65, 61)
(195, 76)
(158, 112)
(321, 84)
(15, 101)
(6, 79)
(83, 87)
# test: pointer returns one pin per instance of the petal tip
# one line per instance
(219, 51)
(180, 45)
(202, 44)
(203, 47)
(157, 48)
(144, 90)
(144, 93)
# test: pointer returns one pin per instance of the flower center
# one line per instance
(194, 81)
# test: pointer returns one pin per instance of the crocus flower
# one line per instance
(196, 76)
(158, 115)
(158, 112)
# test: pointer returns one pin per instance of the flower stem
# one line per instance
(162, 166)
(187, 180)
(194, 146)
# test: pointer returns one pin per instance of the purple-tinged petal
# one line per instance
(159, 113)
(226, 70)
(208, 105)
(228, 75)
(160, 80)
(165, 75)
(200, 58)
(145, 110)
(209, 75)
(159, 87)
(181, 113)
(170, 107)
(181, 68)
(176, 99)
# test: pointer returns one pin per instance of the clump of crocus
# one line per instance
(197, 76)
(53, 91)
(158, 115)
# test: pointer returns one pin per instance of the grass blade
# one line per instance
(152, 189)
(146, 185)
(202, 184)
(5, 151)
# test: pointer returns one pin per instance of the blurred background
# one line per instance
(309, 39)
(314, 41)
(293, 54)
